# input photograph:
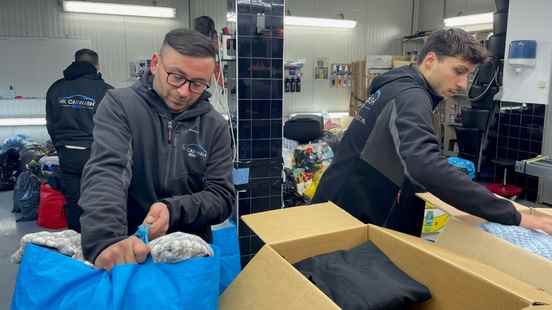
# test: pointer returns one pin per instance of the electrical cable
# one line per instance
(225, 105)
(495, 75)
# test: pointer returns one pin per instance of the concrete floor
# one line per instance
(10, 234)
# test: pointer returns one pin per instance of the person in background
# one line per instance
(161, 156)
(71, 103)
(390, 152)
(206, 26)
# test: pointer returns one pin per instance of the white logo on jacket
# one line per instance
(195, 151)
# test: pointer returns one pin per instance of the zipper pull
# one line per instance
(170, 131)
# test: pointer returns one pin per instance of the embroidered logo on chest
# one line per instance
(195, 151)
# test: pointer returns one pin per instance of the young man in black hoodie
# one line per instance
(70, 106)
(390, 151)
(161, 156)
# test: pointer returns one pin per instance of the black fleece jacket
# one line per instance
(391, 147)
(143, 153)
(71, 103)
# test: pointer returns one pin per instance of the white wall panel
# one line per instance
(117, 39)
(467, 7)
(381, 25)
(432, 12)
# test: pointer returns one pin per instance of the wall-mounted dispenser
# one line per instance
(522, 54)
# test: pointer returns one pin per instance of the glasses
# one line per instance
(178, 80)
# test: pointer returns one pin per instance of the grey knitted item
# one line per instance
(178, 246)
(66, 242)
(171, 248)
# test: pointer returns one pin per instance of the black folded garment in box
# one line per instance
(363, 278)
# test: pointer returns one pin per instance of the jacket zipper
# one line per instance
(170, 132)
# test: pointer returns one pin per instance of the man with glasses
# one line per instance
(161, 156)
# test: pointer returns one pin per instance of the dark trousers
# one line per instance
(71, 163)
(407, 214)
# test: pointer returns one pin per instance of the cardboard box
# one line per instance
(379, 61)
(464, 236)
(547, 211)
(401, 63)
(270, 281)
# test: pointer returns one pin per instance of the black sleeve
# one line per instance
(426, 167)
(105, 181)
(214, 204)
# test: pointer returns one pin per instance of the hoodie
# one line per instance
(144, 153)
(71, 103)
(390, 148)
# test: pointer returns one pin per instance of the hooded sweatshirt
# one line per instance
(144, 153)
(390, 147)
(71, 103)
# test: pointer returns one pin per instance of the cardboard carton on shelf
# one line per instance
(270, 281)
(399, 61)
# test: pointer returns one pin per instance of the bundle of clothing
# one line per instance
(536, 242)
(363, 278)
(22, 164)
(307, 163)
(171, 248)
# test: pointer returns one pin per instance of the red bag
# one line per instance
(50, 212)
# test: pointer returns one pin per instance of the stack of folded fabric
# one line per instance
(533, 241)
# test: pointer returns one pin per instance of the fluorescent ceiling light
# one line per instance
(469, 20)
(326, 114)
(319, 22)
(21, 121)
(231, 17)
(118, 9)
(309, 21)
(478, 27)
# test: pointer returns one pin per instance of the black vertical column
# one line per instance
(260, 81)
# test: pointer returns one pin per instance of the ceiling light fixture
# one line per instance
(309, 21)
(118, 9)
(22, 121)
(476, 22)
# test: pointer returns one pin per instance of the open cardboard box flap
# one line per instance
(438, 203)
(270, 281)
(274, 226)
(463, 235)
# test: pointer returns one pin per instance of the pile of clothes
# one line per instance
(305, 160)
(307, 163)
(536, 242)
(24, 164)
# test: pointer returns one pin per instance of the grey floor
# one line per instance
(10, 234)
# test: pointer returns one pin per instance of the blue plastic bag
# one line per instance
(49, 280)
(226, 241)
(463, 165)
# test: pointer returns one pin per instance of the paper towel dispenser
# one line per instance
(522, 53)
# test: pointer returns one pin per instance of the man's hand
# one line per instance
(158, 218)
(127, 251)
(543, 223)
